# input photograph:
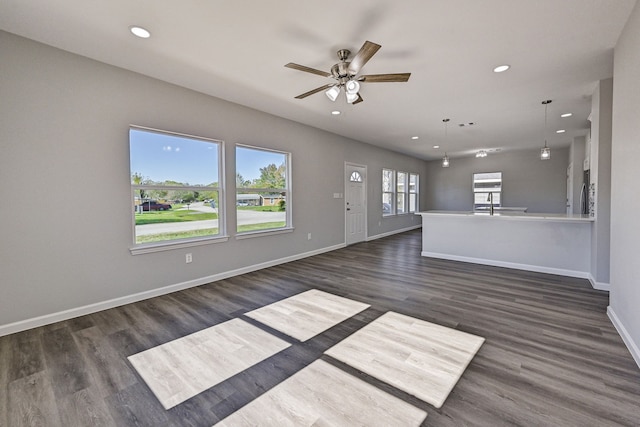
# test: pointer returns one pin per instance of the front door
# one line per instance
(355, 203)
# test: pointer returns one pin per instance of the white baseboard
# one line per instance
(601, 286)
(391, 233)
(116, 302)
(517, 266)
(626, 337)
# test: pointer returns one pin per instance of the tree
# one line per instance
(138, 179)
(271, 176)
(241, 182)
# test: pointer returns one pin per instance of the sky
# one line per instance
(162, 157)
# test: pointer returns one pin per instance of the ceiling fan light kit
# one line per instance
(352, 87)
(333, 93)
(346, 74)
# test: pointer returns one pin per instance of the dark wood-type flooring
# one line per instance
(551, 356)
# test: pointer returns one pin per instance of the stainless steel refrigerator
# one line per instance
(584, 193)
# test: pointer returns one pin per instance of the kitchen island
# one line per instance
(549, 243)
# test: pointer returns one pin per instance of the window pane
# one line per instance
(413, 183)
(179, 215)
(402, 182)
(260, 211)
(402, 189)
(387, 180)
(401, 199)
(258, 169)
(485, 184)
(166, 159)
(387, 204)
(412, 202)
(413, 192)
(355, 177)
(165, 168)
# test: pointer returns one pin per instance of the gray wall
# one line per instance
(528, 181)
(600, 162)
(625, 177)
(65, 192)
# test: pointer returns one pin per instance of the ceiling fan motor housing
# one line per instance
(340, 72)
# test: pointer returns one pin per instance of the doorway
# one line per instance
(355, 203)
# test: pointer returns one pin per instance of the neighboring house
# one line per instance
(248, 199)
(271, 199)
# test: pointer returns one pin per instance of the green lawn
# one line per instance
(176, 235)
(261, 226)
(161, 237)
(260, 208)
(158, 217)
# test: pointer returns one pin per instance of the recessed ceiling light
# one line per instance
(560, 131)
(566, 115)
(415, 137)
(335, 112)
(140, 32)
(436, 146)
(501, 68)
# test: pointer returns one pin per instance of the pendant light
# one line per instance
(445, 159)
(545, 152)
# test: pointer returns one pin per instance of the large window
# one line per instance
(263, 196)
(487, 188)
(399, 192)
(175, 183)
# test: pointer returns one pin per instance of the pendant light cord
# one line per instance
(544, 134)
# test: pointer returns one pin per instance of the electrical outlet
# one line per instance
(309, 236)
(188, 258)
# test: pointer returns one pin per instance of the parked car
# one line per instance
(386, 208)
(153, 205)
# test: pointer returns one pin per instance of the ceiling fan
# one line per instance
(346, 76)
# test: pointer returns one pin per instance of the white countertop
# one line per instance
(513, 216)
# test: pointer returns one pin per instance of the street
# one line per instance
(244, 217)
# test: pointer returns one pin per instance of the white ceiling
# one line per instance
(236, 50)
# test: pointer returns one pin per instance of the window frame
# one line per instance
(402, 189)
(164, 245)
(415, 192)
(392, 186)
(406, 192)
(288, 227)
(477, 190)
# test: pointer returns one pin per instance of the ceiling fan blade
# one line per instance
(316, 90)
(385, 78)
(307, 69)
(357, 101)
(365, 53)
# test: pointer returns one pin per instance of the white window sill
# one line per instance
(176, 244)
(260, 233)
(398, 215)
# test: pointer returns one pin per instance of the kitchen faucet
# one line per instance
(490, 199)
